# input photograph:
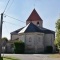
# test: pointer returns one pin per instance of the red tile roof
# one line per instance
(34, 16)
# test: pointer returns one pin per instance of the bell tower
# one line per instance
(35, 19)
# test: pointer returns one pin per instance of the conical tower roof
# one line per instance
(34, 16)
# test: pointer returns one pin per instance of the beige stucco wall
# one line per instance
(35, 22)
(33, 41)
(38, 40)
(49, 40)
(39, 46)
(13, 37)
(22, 37)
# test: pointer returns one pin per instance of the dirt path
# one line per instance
(32, 56)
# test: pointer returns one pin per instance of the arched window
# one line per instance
(30, 39)
(39, 39)
(37, 23)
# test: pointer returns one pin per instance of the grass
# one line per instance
(54, 56)
(10, 58)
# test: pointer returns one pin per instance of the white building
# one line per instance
(34, 35)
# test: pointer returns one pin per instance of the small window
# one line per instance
(39, 39)
(37, 22)
(30, 39)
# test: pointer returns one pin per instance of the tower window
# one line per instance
(37, 22)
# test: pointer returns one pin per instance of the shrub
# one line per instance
(49, 49)
(19, 47)
(1, 58)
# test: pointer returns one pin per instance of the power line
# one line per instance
(10, 16)
(11, 23)
(14, 18)
(10, 5)
(6, 6)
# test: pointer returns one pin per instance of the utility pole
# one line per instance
(1, 22)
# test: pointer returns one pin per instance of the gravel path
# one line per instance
(31, 56)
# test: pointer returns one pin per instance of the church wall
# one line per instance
(34, 42)
(28, 38)
(53, 38)
(49, 40)
(29, 42)
(22, 37)
(39, 42)
(13, 37)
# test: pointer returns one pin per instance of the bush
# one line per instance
(57, 50)
(49, 49)
(19, 47)
(1, 58)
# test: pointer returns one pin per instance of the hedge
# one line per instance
(49, 49)
(19, 47)
(1, 58)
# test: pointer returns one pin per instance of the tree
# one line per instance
(4, 41)
(57, 39)
(4, 44)
(4, 38)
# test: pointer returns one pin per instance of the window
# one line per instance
(30, 39)
(39, 39)
(37, 23)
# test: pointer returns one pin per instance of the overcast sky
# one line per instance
(49, 11)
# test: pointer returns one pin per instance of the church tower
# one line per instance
(35, 19)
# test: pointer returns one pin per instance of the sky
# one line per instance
(48, 10)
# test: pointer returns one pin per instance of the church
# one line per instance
(34, 35)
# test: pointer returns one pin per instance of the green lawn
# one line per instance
(54, 56)
(10, 58)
